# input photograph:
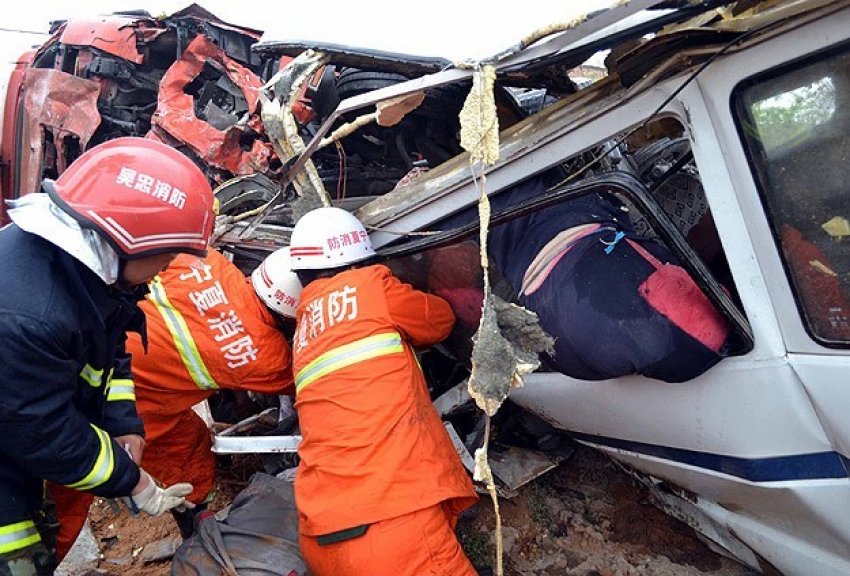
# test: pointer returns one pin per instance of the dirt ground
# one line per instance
(585, 518)
(588, 518)
(123, 538)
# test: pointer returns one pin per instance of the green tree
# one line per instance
(789, 116)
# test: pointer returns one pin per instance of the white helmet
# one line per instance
(328, 238)
(276, 284)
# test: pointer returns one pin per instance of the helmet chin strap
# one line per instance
(120, 283)
(135, 291)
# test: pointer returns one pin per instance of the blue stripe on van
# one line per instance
(821, 465)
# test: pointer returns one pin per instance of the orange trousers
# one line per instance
(181, 455)
(417, 544)
(72, 509)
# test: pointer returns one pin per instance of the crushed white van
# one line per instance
(724, 129)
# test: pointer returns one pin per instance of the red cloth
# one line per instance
(672, 292)
(827, 308)
(422, 542)
(373, 446)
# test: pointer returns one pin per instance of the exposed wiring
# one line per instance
(342, 179)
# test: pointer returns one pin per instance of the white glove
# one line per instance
(155, 500)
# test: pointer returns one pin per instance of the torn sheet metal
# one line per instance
(278, 96)
(226, 441)
(265, 237)
(61, 104)
(203, 410)
(519, 466)
(235, 41)
(460, 448)
(556, 45)
(242, 198)
(453, 399)
(409, 65)
(469, 463)
(248, 423)
(242, 192)
(222, 147)
(114, 35)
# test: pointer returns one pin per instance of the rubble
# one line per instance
(160, 550)
(83, 556)
(454, 399)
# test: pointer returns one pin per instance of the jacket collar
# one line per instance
(37, 214)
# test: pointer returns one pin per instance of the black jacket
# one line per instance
(65, 382)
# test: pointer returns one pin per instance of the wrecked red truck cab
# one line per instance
(130, 74)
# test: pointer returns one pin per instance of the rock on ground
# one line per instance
(83, 556)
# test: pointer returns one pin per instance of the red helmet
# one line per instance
(143, 196)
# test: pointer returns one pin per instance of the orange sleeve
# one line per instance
(272, 372)
(268, 367)
(268, 382)
(423, 318)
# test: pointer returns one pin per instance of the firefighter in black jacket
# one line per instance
(73, 264)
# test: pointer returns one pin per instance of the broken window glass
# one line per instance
(794, 122)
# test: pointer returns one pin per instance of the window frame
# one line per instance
(757, 163)
(635, 191)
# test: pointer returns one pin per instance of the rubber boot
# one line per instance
(187, 520)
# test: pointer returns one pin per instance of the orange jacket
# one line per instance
(207, 330)
(373, 445)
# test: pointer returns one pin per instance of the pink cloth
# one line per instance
(672, 292)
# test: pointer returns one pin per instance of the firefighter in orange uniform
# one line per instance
(379, 486)
(208, 329)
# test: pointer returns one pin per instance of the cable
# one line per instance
(16, 31)
(596, 161)
(342, 179)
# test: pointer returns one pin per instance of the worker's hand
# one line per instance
(466, 303)
(133, 444)
(150, 498)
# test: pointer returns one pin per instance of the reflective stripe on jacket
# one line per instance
(373, 446)
(348, 354)
(17, 536)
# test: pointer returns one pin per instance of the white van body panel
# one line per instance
(755, 449)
